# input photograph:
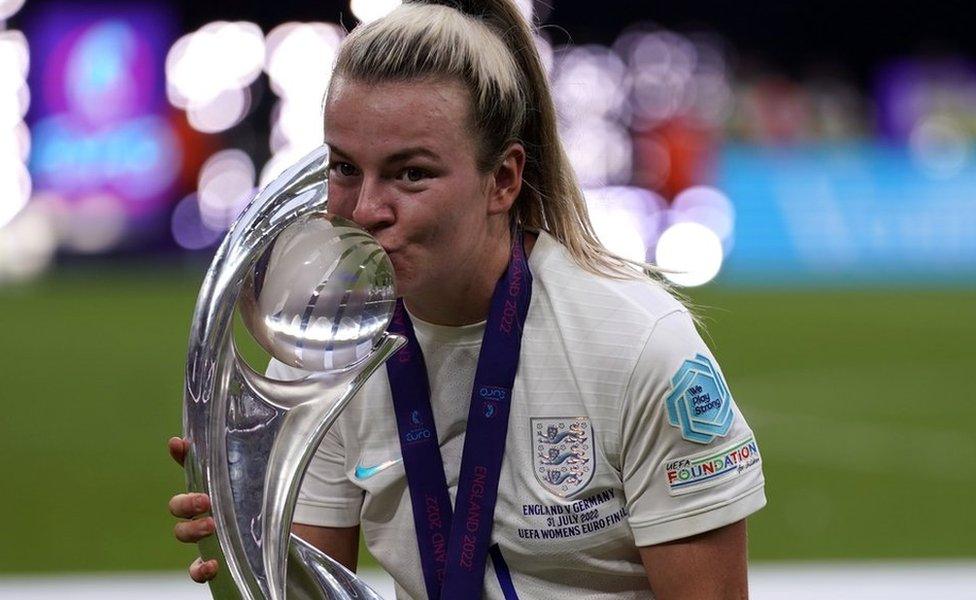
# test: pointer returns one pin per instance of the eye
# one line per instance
(414, 174)
(344, 169)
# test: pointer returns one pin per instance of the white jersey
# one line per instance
(621, 434)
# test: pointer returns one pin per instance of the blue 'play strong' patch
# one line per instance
(699, 402)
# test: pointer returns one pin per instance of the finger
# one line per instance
(195, 530)
(201, 571)
(177, 449)
(187, 506)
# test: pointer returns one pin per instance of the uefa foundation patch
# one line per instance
(699, 402)
(706, 469)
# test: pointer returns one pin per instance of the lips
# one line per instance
(390, 251)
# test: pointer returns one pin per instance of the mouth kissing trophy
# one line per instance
(317, 293)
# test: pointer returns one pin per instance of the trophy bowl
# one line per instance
(317, 293)
(321, 296)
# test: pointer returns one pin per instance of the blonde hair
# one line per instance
(488, 46)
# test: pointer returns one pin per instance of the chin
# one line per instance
(410, 280)
(405, 286)
(402, 276)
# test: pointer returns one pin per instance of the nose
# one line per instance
(373, 210)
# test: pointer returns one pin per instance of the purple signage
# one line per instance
(99, 118)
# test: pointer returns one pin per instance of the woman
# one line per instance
(558, 429)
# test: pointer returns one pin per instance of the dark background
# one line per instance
(790, 37)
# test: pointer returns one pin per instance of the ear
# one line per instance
(506, 180)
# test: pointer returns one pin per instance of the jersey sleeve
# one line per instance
(326, 498)
(689, 461)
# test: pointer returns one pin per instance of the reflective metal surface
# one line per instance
(320, 298)
(317, 293)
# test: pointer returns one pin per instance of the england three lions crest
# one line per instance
(562, 456)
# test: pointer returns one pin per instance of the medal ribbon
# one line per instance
(454, 545)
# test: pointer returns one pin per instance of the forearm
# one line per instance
(340, 543)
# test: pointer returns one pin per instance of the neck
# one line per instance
(465, 296)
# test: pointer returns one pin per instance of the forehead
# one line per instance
(389, 115)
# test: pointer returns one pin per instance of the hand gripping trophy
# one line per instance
(317, 293)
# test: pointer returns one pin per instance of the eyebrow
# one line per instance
(399, 156)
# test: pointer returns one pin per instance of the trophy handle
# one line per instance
(312, 575)
(301, 432)
(312, 569)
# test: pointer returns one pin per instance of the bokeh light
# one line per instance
(15, 180)
(102, 75)
(708, 92)
(590, 81)
(226, 185)
(92, 224)
(600, 151)
(940, 146)
(526, 7)
(660, 64)
(546, 52)
(299, 64)
(27, 244)
(13, 107)
(278, 163)
(223, 111)
(370, 10)
(300, 57)
(627, 220)
(676, 75)
(15, 188)
(297, 123)
(188, 228)
(590, 87)
(9, 8)
(14, 59)
(706, 206)
(689, 254)
(15, 143)
(219, 56)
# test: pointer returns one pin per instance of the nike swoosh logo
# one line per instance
(367, 472)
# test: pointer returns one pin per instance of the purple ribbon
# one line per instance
(454, 545)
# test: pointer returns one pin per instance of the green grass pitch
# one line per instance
(860, 400)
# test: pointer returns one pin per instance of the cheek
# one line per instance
(462, 202)
(342, 201)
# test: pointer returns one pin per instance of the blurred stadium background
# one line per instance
(809, 172)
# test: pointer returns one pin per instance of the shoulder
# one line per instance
(590, 328)
(634, 304)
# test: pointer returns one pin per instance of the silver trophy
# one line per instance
(317, 293)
